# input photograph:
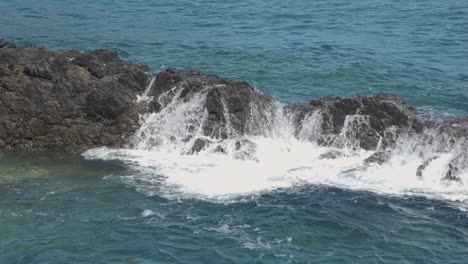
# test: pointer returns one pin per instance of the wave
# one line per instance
(176, 154)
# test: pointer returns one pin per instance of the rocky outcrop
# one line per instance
(66, 100)
(75, 101)
(226, 99)
(361, 122)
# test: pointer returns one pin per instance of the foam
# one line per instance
(282, 158)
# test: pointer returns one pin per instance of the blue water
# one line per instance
(293, 50)
(61, 209)
(67, 213)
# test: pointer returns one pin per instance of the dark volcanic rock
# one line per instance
(228, 103)
(333, 154)
(364, 122)
(75, 101)
(452, 173)
(422, 167)
(66, 101)
(199, 145)
(245, 149)
(378, 157)
(457, 165)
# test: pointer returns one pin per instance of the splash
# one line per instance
(274, 151)
(145, 96)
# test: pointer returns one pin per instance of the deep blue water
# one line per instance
(70, 210)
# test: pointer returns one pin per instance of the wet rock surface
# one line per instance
(379, 158)
(366, 121)
(74, 101)
(67, 100)
(333, 154)
(199, 145)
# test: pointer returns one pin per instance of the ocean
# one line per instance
(153, 205)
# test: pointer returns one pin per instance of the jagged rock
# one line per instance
(40, 71)
(224, 99)
(75, 101)
(452, 173)
(368, 121)
(378, 157)
(199, 145)
(215, 125)
(245, 149)
(333, 154)
(6, 44)
(458, 164)
(423, 166)
(66, 101)
(219, 149)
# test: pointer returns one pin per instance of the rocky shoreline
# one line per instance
(72, 101)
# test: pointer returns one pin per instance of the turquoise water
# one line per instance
(293, 50)
(68, 209)
(69, 214)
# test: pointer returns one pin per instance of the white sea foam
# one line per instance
(282, 165)
(282, 158)
(147, 213)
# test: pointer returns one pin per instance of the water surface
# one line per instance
(133, 206)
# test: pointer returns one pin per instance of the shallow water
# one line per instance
(153, 205)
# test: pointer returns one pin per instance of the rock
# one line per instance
(6, 44)
(458, 164)
(378, 157)
(66, 101)
(39, 71)
(228, 103)
(244, 144)
(199, 145)
(461, 122)
(215, 125)
(219, 149)
(333, 154)
(97, 62)
(74, 101)
(452, 173)
(363, 121)
(423, 166)
(245, 149)
(108, 101)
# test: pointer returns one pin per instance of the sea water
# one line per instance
(152, 204)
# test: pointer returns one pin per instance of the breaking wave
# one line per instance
(172, 157)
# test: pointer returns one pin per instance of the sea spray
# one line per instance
(276, 151)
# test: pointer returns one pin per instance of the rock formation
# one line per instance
(74, 101)
(67, 100)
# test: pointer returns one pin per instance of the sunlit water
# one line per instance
(153, 204)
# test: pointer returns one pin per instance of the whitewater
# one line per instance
(272, 155)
